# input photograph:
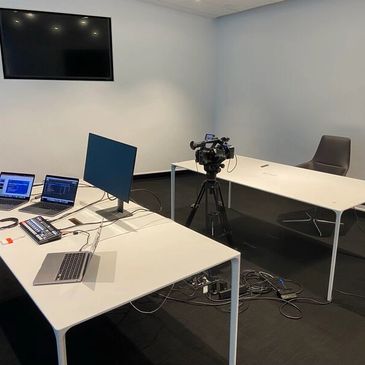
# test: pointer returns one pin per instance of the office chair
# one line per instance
(332, 156)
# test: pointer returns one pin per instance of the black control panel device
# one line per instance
(40, 230)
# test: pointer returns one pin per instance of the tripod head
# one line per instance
(212, 169)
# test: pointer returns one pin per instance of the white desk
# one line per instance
(135, 257)
(337, 193)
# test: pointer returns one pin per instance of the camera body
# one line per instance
(212, 151)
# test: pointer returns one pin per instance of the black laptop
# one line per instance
(58, 195)
(15, 189)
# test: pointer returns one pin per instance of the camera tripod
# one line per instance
(211, 187)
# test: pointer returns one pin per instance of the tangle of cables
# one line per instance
(254, 286)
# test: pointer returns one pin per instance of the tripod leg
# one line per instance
(222, 212)
(206, 209)
(196, 205)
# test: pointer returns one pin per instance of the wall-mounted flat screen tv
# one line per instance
(42, 45)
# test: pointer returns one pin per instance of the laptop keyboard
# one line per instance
(71, 266)
(50, 206)
(9, 201)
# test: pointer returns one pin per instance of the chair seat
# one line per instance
(323, 167)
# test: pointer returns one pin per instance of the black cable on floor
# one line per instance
(350, 294)
(259, 285)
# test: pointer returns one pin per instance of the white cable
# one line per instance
(155, 310)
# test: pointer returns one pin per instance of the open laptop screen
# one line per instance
(16, 186)
(61, 190)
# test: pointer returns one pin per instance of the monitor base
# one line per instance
(112, 214)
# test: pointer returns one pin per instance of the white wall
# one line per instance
(285, 74)
(162, 96)
(290, 72)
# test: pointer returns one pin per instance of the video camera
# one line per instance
(212, 151)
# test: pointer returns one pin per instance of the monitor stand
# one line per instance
(114, 213)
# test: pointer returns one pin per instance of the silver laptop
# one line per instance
(15, 189)
(66, 267)
(58, 195)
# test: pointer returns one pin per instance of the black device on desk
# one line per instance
(58, 195)
(40, 230)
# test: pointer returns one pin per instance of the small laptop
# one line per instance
(58, 195)
(66, 267)
(15, 189)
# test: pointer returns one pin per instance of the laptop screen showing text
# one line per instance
(59, 190)
(15, 186)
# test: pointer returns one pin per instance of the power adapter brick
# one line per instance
(226, 294)
(286, 294)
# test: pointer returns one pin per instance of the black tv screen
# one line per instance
(42, 45)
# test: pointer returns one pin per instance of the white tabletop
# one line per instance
(135, 257)
(328, 191)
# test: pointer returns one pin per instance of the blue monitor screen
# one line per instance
(43, 45)
(109, 166)
(18, 186)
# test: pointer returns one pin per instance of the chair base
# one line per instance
(311, 219)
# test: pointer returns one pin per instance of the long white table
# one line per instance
(337, 193)
(135, 257)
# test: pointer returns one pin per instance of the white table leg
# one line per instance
(173, 168)
(229, 194)
(334, 255)
(235, 283)
(61, 346)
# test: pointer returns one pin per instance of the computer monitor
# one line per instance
(109, 166)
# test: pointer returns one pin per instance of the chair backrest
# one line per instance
(332, 155)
